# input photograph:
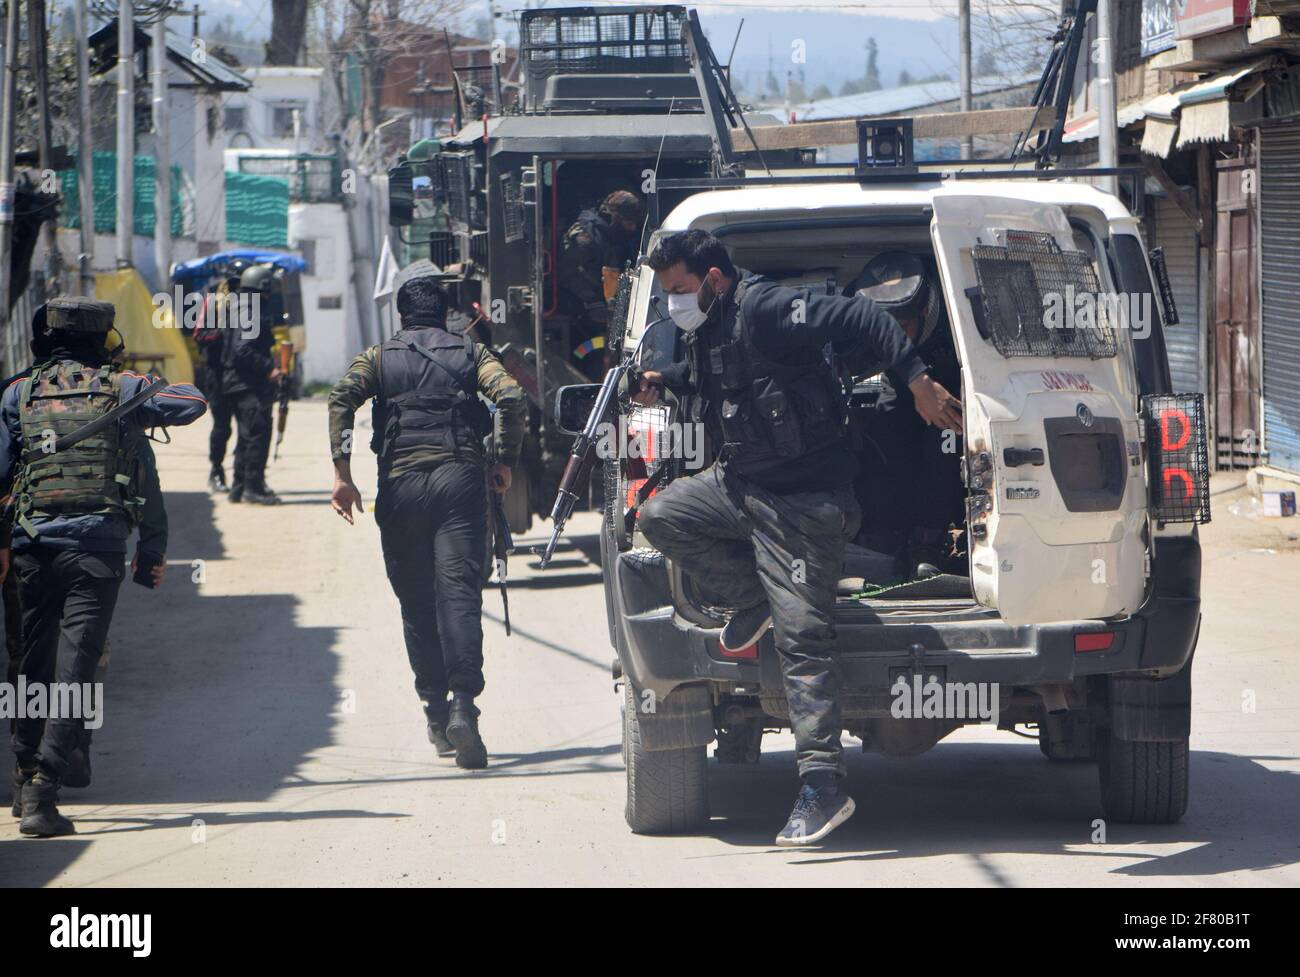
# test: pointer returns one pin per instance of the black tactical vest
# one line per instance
(99, 475)
(428, 396)
(770, 413)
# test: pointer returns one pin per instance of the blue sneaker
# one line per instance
(745, 628)
(817, 812)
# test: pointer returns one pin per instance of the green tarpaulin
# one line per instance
(257, 210)
(104, 179)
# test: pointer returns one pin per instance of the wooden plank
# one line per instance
(938, 125)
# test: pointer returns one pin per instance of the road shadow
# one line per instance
(209, 700)
(994, 799)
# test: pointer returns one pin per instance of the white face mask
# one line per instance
(685, 311)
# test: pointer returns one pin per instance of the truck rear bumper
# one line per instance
(660, 650)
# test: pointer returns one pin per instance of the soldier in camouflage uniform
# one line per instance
(428, 431)
(607, 237)
(72, 511)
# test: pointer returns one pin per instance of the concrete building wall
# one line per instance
(319, 232)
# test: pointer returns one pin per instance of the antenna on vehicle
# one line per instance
(736, 40)
(654, 174)
(720, 103)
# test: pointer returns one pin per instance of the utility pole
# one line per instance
(1107, 120)
(7, 90)
(85, 154)
(162, 226)
(963, 40)
(125, 132)
(37, 50)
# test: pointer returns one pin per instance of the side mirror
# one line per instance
(401, 195)
(659, 348)
(412, 192)
(573, 406)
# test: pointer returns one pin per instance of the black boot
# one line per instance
(928, 552)
(77, 775)
(217, 480)
(22, 776)
(41, 817)
(237, 490)
(437, 730)
(260, 495)
(462, 730)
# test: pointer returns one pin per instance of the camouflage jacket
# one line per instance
(361, 383)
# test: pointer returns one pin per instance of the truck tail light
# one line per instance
(1178, 455)
(749, 652)
(1093, 641)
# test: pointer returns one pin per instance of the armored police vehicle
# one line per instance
(1077, 595)
(612, 99)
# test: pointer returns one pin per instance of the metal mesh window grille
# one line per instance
(458, 176)
(1178, 454)
(1041, 301)
(512, 208)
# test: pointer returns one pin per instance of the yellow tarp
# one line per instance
(164, 350)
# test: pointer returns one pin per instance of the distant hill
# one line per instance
(835, 46)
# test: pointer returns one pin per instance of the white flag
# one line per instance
(386, 272)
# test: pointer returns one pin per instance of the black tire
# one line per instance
(1142, 782)
(1071, 737)
(667, 790)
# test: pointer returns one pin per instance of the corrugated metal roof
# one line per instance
(890, 101)
(210, 72)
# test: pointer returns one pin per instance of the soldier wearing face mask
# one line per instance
(763, 529)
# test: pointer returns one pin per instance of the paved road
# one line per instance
(262, 729)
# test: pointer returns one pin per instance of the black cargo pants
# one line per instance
(433, 528)
(67, 599)
(222, 413)
(744, 545)
(253, 441)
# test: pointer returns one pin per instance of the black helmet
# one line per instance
(258, 278)
(900, 283)
(75, 313)
(622, 205)
(234, 269)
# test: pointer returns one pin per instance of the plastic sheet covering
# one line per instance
(135, 321)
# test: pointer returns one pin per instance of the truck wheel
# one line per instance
(667, 790)
(1069, 737)
(1142, 782)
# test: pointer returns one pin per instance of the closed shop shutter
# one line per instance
(1186, 339)
(1280, 273)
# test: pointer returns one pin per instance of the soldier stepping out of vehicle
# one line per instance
(77, 489)
(763, 529)
(607, 237)
(916, 488)
(428, 431)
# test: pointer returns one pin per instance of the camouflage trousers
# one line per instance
(743, 545)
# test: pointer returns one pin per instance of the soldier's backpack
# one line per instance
(96, 476)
